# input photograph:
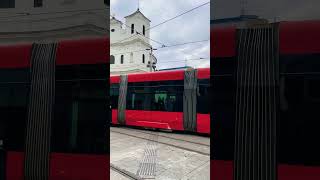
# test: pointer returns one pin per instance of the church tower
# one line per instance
(138, 23)
(129, 44)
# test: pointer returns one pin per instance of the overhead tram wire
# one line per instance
(178, 16)
(191, 54)
(166, 20)
(181, 44)
(182, 60)
(174, 45)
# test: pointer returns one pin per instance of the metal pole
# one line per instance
(151, 49)
(150, 59)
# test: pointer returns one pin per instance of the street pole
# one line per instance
(151, 50)
(150, 59)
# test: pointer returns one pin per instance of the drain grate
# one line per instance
(147, 166)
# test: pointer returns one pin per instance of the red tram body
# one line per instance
(297, 152)
(163, 84)
(69, 148)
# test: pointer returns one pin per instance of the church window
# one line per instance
(143, 58)
(111, 59)
(112, 30)
(122, 57)
(132, 28)
(144, 30)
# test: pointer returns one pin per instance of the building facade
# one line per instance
(46, 20)
(129, 44)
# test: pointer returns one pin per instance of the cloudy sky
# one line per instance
(280, 10)
(193, 26)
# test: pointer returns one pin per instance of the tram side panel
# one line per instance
(167, 104)
(167, 99)
(297, 122)
(79, 148)
(14, 98)
(114, 96)
(203, 101)
(78, 140)
(223, 102)
(156, 100)
(138, 101)
(299, 101)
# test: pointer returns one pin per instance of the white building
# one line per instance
(129, 41)
(51, 20)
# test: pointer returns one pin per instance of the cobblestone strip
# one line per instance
(147, 166)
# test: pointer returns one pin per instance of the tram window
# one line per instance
(164, 101)
(160, 100)
(156, 96)
(114, 95)
(223, 113)
(222, 107)
(299, 121)
(88, 71)
(139, 96)
(223, 66)
(93, 71)
(92, 106)
(13, 111)
(167, 96)
(65, 111)
(297, 63)
(203, 99)
(14, 75)
(313, 89)
(14, 97)
(80, 112)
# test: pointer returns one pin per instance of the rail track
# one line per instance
(124, 172)
(188, 145)
(157, 132)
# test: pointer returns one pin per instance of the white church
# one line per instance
(129, 44)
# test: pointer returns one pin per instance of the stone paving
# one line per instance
(154, 155)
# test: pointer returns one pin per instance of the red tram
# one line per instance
(176, 100)
(53, 116)
(266, 102)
